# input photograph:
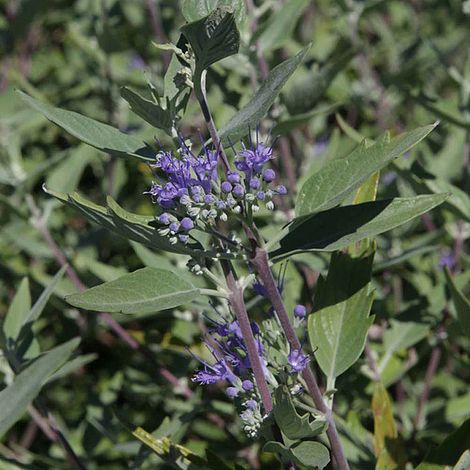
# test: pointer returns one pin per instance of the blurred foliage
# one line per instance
(379, 65)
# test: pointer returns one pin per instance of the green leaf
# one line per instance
(338, 178)
(422, 180)
(401, 335)
(309, 453)
(149, 111)
(342, 226)
(194, 10)
(387, 446)
(28, 383)
(252, 113)
(39, 305)
(71, 366)
(292, 122)
(338, 327)
(290, 422)
(94, 133)
(130, 226)
(281, 25)
(306, 91)
(17, 312)
(462, 305)
(449, 452)
(146, 290)
(212, 38)
(66, 175)
(166, 449)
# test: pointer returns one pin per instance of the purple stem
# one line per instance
(238, 306)
(430, 372)
(261, 263)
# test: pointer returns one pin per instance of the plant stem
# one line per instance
(261, 263)
(200, 92)
(238, 306)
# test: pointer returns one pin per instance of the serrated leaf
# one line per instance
(94, 133)
(338, 327)
(281, 25)
(461, 303)
(290, 422)
(28, 383)
(212, 38)
(338, 178)
(118, 220)
(252, 113)
(149, 111)
(337, 228)
(388, 449)
(146, 290)
(309, 453)
(194, 10)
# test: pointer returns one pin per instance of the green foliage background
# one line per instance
(379, 65)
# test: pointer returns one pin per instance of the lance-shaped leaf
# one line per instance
(144, 291)
(387, 446)
(461, 303)
(212, 38)
(338, 327)
(339, 178)
(252, 113)
(28, 383)
(281, 25)
(130, 226)
(449, 451)
(149, 111)
(290, 422)
(94, 133)
(18, 311)
(306, 91)
(337, 228)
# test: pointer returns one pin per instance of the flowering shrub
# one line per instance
(293, 309)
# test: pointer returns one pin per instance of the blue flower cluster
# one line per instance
(232, 366)
(190, 193)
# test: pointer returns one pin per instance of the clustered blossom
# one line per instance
(232, 365)
(190, 193)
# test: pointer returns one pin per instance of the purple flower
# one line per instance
(232, 392)
(226, 187)
(297, 360)
(281, 189)
(233, 177)
(300, 311)
(164, 218)
(269, 175)
(187, 224)
(251, 404)
(255, 183)
(215, 373)
(238, 190)
(247, 385)
(447, 260)
(251, 161)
